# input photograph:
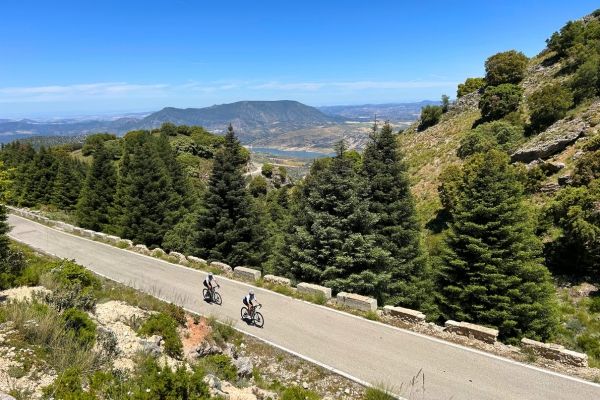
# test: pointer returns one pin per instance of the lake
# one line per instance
(290, 153)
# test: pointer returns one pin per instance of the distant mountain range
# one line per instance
(395, 112)
(254, 121)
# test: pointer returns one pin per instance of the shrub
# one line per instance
(93, 141)
(80, 326)
(499, 101)
(267, 170)
(219, 365)
(569, 35)
(549, 104)
(445, 103)
(165, 326)
(586, 81)
(450, 181)
(69, 274)
(430, 115)
(68, 387)
(222, 333)
(298, 393)
(505, 67)
(11, 268)
(587, 168)
(500, 135)
(177, 313)
(471, 85)
(258, 186)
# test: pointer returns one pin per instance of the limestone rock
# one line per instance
(205, 349)
(244, 367)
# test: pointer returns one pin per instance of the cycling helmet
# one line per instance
(252, 292)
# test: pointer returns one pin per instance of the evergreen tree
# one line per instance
(67, 183)
(181, 200)
(492, 270)
(98, 192)
(328, 241)
(144, 191)
(397, 230)
(39, 178)
(227, 227)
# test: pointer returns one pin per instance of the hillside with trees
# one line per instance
(487, 210)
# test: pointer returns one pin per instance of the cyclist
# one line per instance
(248, 301)
(210, 282)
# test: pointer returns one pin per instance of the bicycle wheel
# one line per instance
(217, 299)
(259, 321)
(205, 293)
(244, 313)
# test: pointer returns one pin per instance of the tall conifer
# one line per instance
(227, 228)
(397, 230)
(492, 268)
(98, 192)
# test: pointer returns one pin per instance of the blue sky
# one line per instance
(60, 58)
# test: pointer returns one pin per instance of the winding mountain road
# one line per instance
(365, 350)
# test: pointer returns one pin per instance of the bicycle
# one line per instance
(212, 295)
(256, 318)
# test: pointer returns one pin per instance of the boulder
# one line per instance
(4, 396)
(244, 366)
(222, 266)
(485, 334)
(312, 289)
(212, 382)
(205, 349)
(405, 314)
(554, 140)
(141, 248)
(356, 301)
(549, 188)
(181, 259)
(112, 239)
(196, 260)
(158, 253)
(248, 274)
(278, 280)
(151, 345)
(565, 180)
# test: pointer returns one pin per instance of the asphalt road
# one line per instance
(369, 351)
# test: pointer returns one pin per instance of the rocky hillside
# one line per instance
(430, 151)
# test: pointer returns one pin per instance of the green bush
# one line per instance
(219, 365)
(471, 85)
(80, 326)
(70, 274)
(165, 326)
(505, 67)
(177, 313)
(499, 101)
(587, 168)
(430, 115)
(11, 268)
(585, 83)
(93, 141)
(594, 305)
(549, 104)
(258, 186)
(222, 333)
(298, 393)
(267, 170)
(67, 386)
(500, 135)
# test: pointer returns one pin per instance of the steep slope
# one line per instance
(429, 151)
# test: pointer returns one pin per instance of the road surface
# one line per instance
(366, 350)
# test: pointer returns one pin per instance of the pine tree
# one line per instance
(181, 200)
(227, 228)
(397, 230)
(492, 268)
(67, 183)
(329, 240)
(98, 192)
(142, 201)
(39, 178)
